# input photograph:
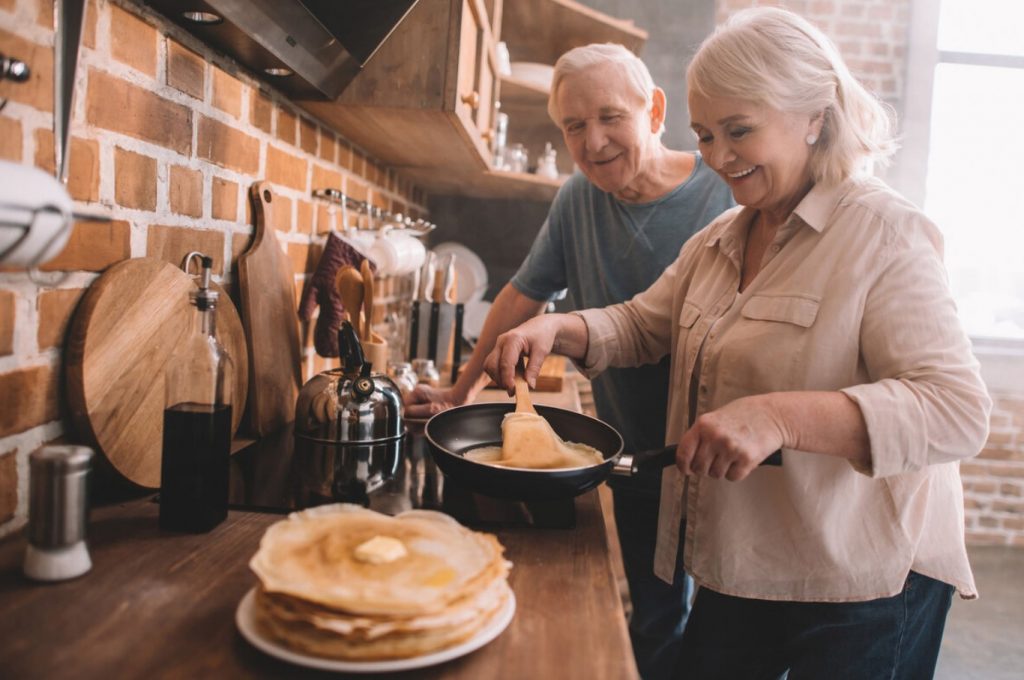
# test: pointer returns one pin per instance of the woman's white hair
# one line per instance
(775, 58)
(579, 59)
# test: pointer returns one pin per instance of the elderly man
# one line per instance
(609, 233)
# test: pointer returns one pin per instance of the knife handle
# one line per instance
(435, 312)
(457, 350)
(414, 327)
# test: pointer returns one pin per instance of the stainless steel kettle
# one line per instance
(349, 432)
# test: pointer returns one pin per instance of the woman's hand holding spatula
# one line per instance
(563, 334)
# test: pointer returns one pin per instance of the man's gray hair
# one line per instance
(775, 58)
(637, 77)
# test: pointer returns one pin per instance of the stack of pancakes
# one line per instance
(343, 582)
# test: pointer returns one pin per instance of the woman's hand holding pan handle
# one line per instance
(564, 334)
(731, 441)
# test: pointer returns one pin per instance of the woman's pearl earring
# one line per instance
(811, 139)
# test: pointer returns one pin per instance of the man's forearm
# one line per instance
(509, 309)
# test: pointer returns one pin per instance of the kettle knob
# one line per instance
(363, 387)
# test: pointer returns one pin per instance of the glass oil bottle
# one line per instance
(197, 421)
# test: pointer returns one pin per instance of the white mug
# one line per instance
(35, 215)
(397, 253)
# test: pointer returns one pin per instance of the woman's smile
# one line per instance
(741, 174)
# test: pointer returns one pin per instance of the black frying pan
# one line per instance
(450, 434)
(453, 432)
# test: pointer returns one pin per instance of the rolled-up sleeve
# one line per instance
(635, 332)
(926, 402)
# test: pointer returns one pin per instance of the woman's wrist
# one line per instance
(572, 337)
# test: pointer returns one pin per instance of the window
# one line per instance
(975, 178)
(973, 174)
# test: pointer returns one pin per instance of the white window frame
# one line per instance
(1002, 361)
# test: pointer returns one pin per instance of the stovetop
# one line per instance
(282, 474)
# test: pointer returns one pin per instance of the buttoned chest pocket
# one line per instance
(773, 345)
(688, 315)
(792, 309)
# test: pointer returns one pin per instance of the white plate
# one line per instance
(246, 621)
(474, 317)
(470, 272)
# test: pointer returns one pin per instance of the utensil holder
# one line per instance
(376, 352)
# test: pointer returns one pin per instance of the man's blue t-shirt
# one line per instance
(605, 251)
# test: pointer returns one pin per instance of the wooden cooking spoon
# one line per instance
(523, 402)
(349, 283)
(367, 299)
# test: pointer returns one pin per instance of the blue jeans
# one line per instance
(891, 638)
(659, 610)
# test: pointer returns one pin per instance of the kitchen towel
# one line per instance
(319, 290)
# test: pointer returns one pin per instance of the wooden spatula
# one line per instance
(349, 283)
(523, 402)
(367, 299)
(528, 440)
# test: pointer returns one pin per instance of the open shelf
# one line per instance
(496, 184)
(517, 92)
(542, 30)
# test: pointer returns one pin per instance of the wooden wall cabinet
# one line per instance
(426, 97)
(426, 103)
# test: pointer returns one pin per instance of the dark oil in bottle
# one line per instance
(194, 466)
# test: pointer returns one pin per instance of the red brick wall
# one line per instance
(870, 34)
(994, 481)
(166, 139)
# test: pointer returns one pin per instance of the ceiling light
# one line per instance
(277, 72)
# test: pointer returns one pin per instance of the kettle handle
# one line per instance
(349, 350)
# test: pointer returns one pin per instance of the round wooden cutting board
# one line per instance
(122, 337)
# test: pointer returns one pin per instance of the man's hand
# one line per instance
(425, 401)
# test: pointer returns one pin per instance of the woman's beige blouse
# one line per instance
(852, 296)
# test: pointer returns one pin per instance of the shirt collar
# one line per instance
(734, 230)
(732, 234)
(819, 204)
(814, 210)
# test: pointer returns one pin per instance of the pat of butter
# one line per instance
(380, 550)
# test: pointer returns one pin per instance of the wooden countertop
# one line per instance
(159, 604)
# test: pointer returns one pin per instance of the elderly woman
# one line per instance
(813, 318)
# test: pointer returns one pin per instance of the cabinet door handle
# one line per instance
(472, 99)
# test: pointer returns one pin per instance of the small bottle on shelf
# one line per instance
(546, 165)
(500, 140)
(197, 421)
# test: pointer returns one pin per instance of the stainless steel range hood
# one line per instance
(310, 49)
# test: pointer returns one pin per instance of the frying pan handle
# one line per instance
(652, 462)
